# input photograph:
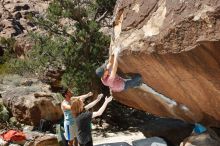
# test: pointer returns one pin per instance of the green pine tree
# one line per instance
(79, 46)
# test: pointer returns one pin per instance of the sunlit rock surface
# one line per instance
(175, 46)
(29, 100)
(15, 16)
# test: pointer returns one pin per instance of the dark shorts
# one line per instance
(90, 143)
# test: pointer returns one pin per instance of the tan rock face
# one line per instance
(175, 46)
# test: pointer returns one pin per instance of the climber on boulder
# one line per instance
(109, 77)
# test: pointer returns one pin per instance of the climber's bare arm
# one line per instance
(83, 97)
(110, 62)
(114, 66)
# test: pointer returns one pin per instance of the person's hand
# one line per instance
(108, 99)
(108, 66)
(90, 94)
(106, 72)
(100, 96)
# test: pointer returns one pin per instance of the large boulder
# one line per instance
(152, 141)
(35, 138)
(209, 138)
(29, 100)
(46, 140)
(174, 45)
(169, 129)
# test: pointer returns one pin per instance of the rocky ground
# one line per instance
(15, 14)
(122, 124)
(15, 22)
(131, 124)
(22, 97)
(117, 119)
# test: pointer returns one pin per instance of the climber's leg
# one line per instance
(133, 82)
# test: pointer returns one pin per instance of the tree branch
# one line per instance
(102, 17)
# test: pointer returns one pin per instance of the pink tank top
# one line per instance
(116, 84)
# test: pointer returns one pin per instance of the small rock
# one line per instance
(7, 2)
(153, 141)
(5, 23)
(4, 114)
(28, 128)
(29, 143)
(13, 121)
(18, 1)
(27, 83)
(18, 27)
(32, 135)
(18, 15)
(30, 24)
(17, 8)
(26, 7)
(3, 143)
(46, 140)
(12, 144)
